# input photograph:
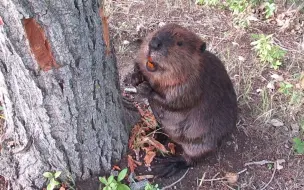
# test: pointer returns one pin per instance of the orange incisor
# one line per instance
(150, 64)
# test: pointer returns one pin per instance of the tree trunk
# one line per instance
(60, 92)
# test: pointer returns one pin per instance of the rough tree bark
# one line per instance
(63, 109)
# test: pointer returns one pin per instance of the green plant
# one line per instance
(267, 51)
(151, 187)
(269, 9)
(237, 6)
(115, 184)
(207, 2)
(52, 182)
(266, 100)
(298, 145)
(296, 97)
(285, 88)
(241, 21)
(270, 166)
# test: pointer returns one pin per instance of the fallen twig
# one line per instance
(169, 186)
(143, 177)
(202, 179)
(227, 186)
(214, 178)
(277, 166)
(226, 178)
(242, 171)
(272, 176)
(263, 162)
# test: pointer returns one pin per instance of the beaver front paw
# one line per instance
(144, 89)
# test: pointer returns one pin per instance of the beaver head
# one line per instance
(170, 55)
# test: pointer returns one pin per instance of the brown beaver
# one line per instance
(188, 89)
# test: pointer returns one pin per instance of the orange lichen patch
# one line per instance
(105, 32)
(39, 45)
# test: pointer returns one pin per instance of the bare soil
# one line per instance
(256, 139)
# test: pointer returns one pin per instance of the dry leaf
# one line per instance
(171, 147)
(252, 18)
(116, 167)
(276, 123)
(155, 143)
(277, 77)
(131, 163)
(149, 119)
(148, 149)
(63, 186)
(271, 86)
(295, 128)
(231, 177)
(135, 131)
(278, 164)
(149, 158)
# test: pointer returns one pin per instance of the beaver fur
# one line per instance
(188, 89)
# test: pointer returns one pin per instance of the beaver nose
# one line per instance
(155, 43)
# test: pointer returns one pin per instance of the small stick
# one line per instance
(221, 178)
(242, 171)
(214, 178)
(202, 179)
(274, 171)
(227, 186)
(167, 187)
(263, 162)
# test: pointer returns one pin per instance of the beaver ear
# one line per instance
(203, 47)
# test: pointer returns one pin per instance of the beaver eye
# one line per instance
(180, 43)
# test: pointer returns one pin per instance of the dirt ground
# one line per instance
(257, 137)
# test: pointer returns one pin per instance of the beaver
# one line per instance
(188, 89)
